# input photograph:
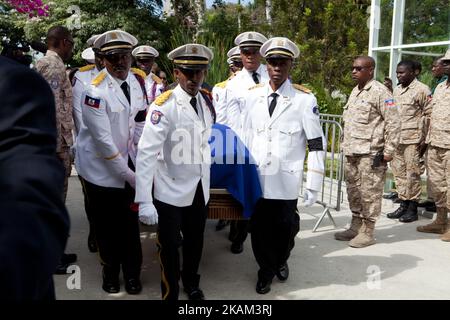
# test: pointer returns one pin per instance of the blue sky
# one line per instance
(210, 2)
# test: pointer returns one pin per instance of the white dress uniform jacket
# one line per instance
(237, 92)
(219, 101)
(152, 87)
(173, 128)
(108, 136)
(278, 143)
(81, 82)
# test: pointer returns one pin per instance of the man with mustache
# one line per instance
(173, 171)
(113, 111)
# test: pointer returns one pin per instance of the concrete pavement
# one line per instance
(404, 264)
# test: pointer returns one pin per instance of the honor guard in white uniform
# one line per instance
(177, 183)
(219, 97)
(80, 82)
(236, 91)
(145, 57)
(281, 120)
(253, 72)
(113, 107)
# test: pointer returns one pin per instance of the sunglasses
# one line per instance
(250, 51)
(114, 58)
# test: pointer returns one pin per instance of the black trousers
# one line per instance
(238, 230)
(87, 207)
(274, 225)
(117, 229)
(180, 226)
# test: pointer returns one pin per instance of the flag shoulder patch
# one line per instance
(92, 102)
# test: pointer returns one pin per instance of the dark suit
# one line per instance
(34, 223)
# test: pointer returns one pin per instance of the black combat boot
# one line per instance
(400, 210)
(411, 213)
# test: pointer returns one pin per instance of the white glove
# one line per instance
(309, 197)
(147, 213)
(130, 177)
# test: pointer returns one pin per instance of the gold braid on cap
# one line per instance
(190, 61)
(284, 53)
(119, 46)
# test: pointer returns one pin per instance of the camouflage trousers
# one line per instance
(406, 169)
(65, 157)
(364, 186)
(439, 175)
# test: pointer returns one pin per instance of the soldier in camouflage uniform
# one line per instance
(412, 98)
(52, 68)
(438, 160)
(371, 133)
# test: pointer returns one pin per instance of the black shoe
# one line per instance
(221, 224)
(411, 213)
(194, 293)
(263, 286)
(283, 272)
(400, 210)
(133, 286)
(68, 258)
(237, 247)
(92, 243)
(391, 195)
(111, 286)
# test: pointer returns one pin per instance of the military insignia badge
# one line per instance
(316, 110)
(54, 84)
(92, 102)
(155, 117)
(194, 50)
(389, 103)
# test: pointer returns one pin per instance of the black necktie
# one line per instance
(194, 104)
(124, 87)
(255, 77)
(273, 103)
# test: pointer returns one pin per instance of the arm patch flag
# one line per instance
(92, 102)
(389, 103)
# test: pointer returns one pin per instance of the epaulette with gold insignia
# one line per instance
(139, 72)
(222, 84)
(301, 88)
(99, 78)
(156, 79)
(163, 97)
(256, 86)
(87, 68)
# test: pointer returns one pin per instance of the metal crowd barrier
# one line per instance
(331, 194)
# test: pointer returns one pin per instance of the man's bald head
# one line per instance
(56, 34)
(368, 61)
(59, 40)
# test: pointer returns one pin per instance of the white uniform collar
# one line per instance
(282, 91)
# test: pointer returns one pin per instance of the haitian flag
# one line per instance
(233, 168)
(92, 102)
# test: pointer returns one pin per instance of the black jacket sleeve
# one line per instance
(34, 223)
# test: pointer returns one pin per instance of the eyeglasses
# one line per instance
(445, 62)
(114, 58)
(249, 51)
